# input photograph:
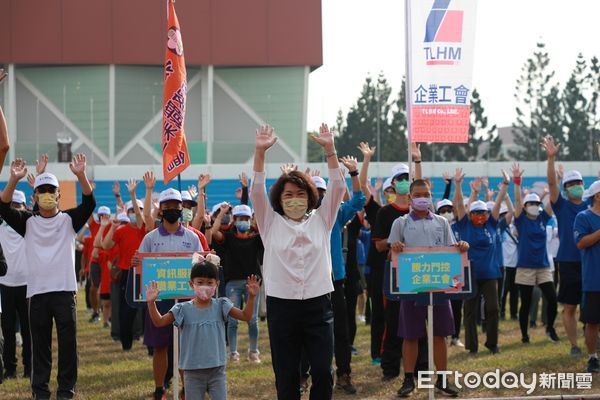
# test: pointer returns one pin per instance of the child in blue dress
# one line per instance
(202, 323)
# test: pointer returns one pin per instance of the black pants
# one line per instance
(14, 305)
(341, 339)
(88, 300)
(510, 288)
(549, 292)
(501, 284)
(295, 325)
(488, 289)
(375, 289)
(351, 293)
(457, 313)
(127, 315)
(43, 310)
(392, 343)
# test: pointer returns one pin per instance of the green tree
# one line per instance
(576, 131)
(395, 145)
(593, 109)
(539, 107)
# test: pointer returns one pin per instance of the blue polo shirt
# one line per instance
(482, 247)
(345, 213)
(532, 241)
(565, 212)
(499, 239)
(587, 222)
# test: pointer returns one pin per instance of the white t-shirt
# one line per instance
(510, 252)
(13, 246)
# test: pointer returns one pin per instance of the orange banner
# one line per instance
(175, 152)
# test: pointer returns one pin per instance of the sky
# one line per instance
(364, 37)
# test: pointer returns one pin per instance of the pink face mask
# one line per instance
(203, 292)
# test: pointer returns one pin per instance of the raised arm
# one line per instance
(488, 194)
(216, 228)
(253, 286)
(511, 210)
(203, 181)
(149, 182)
(14, 218)
(131, 188)
(448, 188)
(458, 201)
(377, 190)
(475, 185)
(336, 186)
(501, 194)
(551, 151)
(4, 142)
(258, 194)
(157, 319)
(367, 153)
(325, 140)
(107, 242)
(116, 189)
(352, 164)
(416, 157)
(517, 174)
(244, 183)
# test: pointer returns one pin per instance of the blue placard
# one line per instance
(171, 272)
(430, 271)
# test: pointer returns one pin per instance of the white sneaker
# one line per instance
(234, 357)
(362, 318)
(19, 339)
(253, 357)
(456, 342)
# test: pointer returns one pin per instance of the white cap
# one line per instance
(593, 190)
(478, 206)
(387, 184)
(186, 196)
(503, 209)
(216, 207)
(19, 197)
(168, 195)
(571, 176)
(319, 182)
(123, 218)
(443, 203)
(129, 204)
(532, 198)
(242, 211)
(103, 210)
(45, 179)
(399, 169)
(490, 205)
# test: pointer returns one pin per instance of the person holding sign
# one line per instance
(479, 229)
(170, 236)
(202, 323)
(533, 267)
(297, 266)
(422, 228)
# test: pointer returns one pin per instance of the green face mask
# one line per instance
(576, 191)
(402, 187)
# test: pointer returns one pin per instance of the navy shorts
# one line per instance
(158, 337)
(569, 287)
(590, 308)
(412, 320)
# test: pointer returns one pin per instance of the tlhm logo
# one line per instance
(443, 27)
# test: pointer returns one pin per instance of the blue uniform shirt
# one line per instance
(532, 241)
(345, 214)
(587, 222)
(566, 212)
(482, 247)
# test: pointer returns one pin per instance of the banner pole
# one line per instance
(431, 367)
(407, 80)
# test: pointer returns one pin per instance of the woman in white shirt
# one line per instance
(297, 267)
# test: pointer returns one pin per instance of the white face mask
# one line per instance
(534, 211)
(449, 216)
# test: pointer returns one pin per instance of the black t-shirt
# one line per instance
(381, 230)
(244, 254)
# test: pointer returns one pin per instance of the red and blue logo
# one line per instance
(443, 26)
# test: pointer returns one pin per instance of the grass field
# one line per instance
(105, 372)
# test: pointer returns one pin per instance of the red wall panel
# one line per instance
(138, 27)
(36, 31)
(5, 31)
(86, 31)
(195, 22)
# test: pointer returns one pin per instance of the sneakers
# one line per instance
(95, 318)
(362, 318)
(447, 390)
(551, 333)
(253, 357)
(575, 351)
(408, 386)
(234, 357)
(525, 339)
(376, 361)
(456, 342)
(18, 339)
(344, 382)
(593, 365)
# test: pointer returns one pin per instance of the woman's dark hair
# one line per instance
(299, 179)
(204, 269)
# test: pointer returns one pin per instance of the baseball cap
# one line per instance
(532, 198)
(216, 207)
(168, 195)
(387, 184)
(19, 197)
(443, 203)
(399, 169)
(503, 209)
(45, 179)
(490, 205)
(186, 196)
(123, 218)
(571, 176)
(129, 204)
(319, 182)
(103, 210)
(593, 190)
(478, 206)
(242, 210)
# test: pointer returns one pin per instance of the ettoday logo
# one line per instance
(443, 34)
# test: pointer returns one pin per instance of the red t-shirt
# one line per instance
(94, 228)
(106, 257)
(128, 239)
(88, 246)
(203, 241)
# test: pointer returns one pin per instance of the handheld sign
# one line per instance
(171, 272)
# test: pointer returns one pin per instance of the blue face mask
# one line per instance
(131, 217)
(243, 226)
